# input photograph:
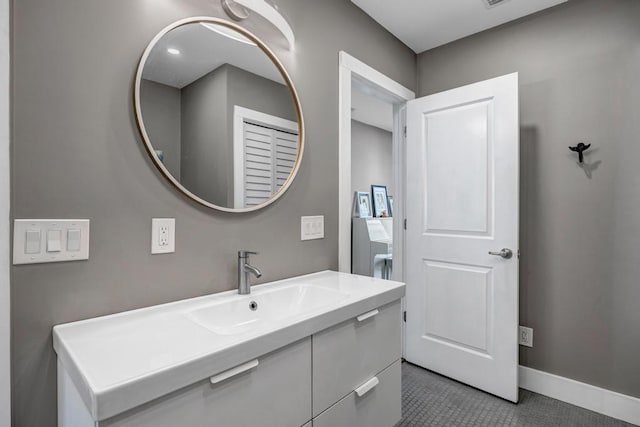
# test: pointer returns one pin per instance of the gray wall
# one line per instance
(160, 106)
(579, 66)
(258, 93)
(371, 150)
(205, 137)
(77, 154)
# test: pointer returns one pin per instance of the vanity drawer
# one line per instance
(380, 406)
(348, 354)
(275, 393)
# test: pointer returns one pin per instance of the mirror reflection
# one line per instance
(218, 115)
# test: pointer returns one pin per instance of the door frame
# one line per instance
(383, 87)
(5, 219)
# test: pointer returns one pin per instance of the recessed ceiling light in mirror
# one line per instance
(173, 51)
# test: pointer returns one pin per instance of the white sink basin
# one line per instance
(264, 308)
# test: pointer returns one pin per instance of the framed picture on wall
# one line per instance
(390, 204)
(380, 204)
(363, 204)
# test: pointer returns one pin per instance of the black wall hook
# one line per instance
(580, 148)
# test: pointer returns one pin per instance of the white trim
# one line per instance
(399, 208)
(5, 227)
(392, 87)
(596, 399)
(398, 190)
(349, 68)
(344, 169)
(240, 115)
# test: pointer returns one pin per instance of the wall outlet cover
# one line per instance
(163, 235)
(525, 336)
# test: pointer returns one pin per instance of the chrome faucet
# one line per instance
(244, 268)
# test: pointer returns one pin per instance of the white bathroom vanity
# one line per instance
(318, 350)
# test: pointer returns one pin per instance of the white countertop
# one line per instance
(121, 361)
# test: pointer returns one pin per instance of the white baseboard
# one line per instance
(596, 399)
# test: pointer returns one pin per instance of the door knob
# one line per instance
(504, 253)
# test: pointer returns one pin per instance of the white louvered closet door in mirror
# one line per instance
(286, 152)
(269, 157)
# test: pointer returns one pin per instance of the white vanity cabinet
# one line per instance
(356, 370)
(353, 352)
(335, 365)
(276, 392)
(379, 406)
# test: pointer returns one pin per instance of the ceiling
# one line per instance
(425, 24)
(368, 109)
(202, 51)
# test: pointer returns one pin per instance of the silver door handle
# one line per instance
(504, 253)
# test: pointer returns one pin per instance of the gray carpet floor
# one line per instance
(429, 399)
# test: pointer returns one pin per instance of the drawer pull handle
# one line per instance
(234, 371)
(367, 387)
(367, 315)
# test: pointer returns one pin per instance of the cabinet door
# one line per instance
(347, 355)
(380, 406)
(275, 393)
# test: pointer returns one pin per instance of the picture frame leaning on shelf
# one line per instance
(380, 201)
(363, 204)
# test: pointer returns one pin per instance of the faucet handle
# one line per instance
(245, 254)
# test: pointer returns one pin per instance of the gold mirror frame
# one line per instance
(145, 137)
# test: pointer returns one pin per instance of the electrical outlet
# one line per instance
(525, 336)
(163, 239)
(163, 231)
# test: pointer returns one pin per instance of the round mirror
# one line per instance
(218, 114)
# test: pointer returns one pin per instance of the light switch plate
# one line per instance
(163, 235)
(312, 227)
(52, 245)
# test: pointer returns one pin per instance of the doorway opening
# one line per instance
(371, 107)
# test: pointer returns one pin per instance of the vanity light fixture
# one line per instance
(173, 51)
(224, 31)
(492, 3)
(238, 10)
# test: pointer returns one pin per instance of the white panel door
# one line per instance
(462, 205)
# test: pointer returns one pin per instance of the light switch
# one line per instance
(32, 242)
(73, 239)
(312, 227)
(50, 240)
(54, 240)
